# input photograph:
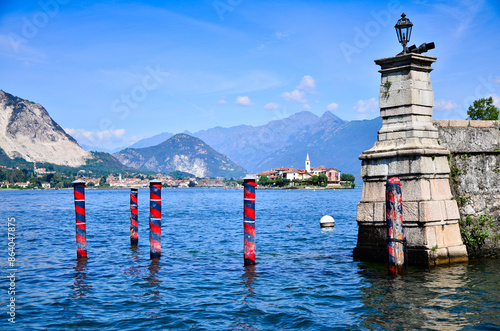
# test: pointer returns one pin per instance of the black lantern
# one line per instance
(403, 30)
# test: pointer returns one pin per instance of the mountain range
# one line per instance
(329, 140)
(184, 153)
(28, 133)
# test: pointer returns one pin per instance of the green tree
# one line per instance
(483, 109)
(280, 182)
(263, 180)
(347, 178)
(322, 180)
(191, 184)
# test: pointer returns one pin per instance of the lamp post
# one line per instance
(403, 31)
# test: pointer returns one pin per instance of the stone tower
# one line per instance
(308, 163)
(408, 148)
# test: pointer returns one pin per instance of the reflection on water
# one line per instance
(442, 298)
(79, 286)
(249, 276)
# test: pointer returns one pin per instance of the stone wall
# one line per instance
(475, 171)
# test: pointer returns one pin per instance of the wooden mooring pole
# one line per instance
(394, 218)
(155, 219)
(249, 219)
(134, 217)
(81, 225)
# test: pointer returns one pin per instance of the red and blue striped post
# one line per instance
(155, 219)
(134, 217)
(394, 218)
(81, 225)
(249, 219)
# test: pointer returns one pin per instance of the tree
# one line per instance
(191, 184)
(347, 178)
(280, 182)
(322, 180)
(483, 109)
(263, 180)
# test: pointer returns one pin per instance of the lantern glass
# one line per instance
(403, 31)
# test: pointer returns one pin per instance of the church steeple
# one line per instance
(308, 163)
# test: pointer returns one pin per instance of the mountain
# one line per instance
(152, 141)
(27, 131)
(329, 140)
(184, 153)
(28, 134)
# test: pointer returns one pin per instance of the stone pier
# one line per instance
(408, 148)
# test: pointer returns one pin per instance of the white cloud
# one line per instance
(222, 102)
(108, 139)
(91, 135)
(307, 84)
(445, 105)
(366, 107)
(272, 106)
(294, 96)
(306, 107)
(496, 100)
(281, 35)
(243, 101)
(496, 80)
(332, 106)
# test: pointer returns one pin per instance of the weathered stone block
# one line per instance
(415, 236)
(399, 167)
(440, 256)
(458, 123)
(430, 211)
(415, 190)
(441, 165)
(410, 96)
(422, 165)
(410, 211)
(364, 212)
(379, 215)
(430, 236)
(405, 110)
(451, 235)
(373, 191)
(457, 254)
(452, 212)
(440, 189)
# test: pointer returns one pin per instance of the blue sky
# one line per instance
(116, 71)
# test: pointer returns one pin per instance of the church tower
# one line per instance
(308, 164)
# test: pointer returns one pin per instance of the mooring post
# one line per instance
(394, 219)
(249, 219)
(134, 217)
(81, 225)
(155, 219)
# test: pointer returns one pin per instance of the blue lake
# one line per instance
(305, 276)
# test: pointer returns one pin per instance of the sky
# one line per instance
(113, 72)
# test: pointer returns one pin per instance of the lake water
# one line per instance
(305, 276)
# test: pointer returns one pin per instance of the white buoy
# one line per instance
(327, 221)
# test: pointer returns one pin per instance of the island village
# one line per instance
(43, 178)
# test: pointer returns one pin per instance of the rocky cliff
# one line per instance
(27, 131)
(475, 172)
(184, 153)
